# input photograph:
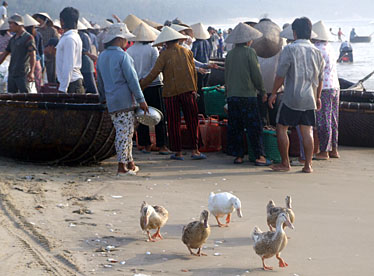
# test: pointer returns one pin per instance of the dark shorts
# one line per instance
(290, 117)
(18, 84)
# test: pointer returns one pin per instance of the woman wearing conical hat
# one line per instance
(328, 115)
(145, 56)
(243, 83)
(179, 92)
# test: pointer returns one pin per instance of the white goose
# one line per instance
(223, 204)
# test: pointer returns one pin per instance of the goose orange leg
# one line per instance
(264, 266)
(282, 263)
(200, 253)
(150, 239)
(219, 223)
(189, 249)
(228, 219)
(157, 235)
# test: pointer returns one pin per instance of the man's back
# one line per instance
(301, 63)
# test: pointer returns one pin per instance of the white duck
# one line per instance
(223, 204)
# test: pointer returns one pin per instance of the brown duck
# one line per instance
(196, 233)
(153, 217)
(268, 244)
(273, 212)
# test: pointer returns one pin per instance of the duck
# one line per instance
(153, 217)
(222, 204)
(196, 233)
(268, 244)
(273, 212)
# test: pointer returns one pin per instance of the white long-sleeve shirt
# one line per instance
(68, 59)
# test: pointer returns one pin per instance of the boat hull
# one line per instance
(67, 130)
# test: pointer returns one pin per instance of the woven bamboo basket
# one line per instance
(356, 124)
(68, 129)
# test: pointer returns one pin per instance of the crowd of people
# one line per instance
(166, 66)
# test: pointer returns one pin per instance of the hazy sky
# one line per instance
(209, 11)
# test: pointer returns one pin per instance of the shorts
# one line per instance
(290, 117)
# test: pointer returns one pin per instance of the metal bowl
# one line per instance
(149, 119)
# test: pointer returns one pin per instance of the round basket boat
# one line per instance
(68, 129)
(356, 124)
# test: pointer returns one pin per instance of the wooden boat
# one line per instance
(57, 128)
(360, 39)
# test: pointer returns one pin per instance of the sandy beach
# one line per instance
(85, 221)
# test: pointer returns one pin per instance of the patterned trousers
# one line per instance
(124, 124)
(244, 114)
(328, 119)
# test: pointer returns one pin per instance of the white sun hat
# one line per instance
(117, 30)
(243, 33)
(168, 34)
(144, 32)
(81, 26)
(200, 32)
(321, 31)
(29, 21)
(132, 22)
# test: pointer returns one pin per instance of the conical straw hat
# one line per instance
(132, 22)
(57, 23)
(187, 29)
(86, 23)
(287, 33)
(200, 32)
(45, 15)
(168, 34)
(4, 26)
(152, 23)
(270, 43)
(243, 33)
(81, 26)
(29, 21)
(144, 32)
(321, 31)
(106, 24)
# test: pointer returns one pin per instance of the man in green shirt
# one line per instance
(243, 82)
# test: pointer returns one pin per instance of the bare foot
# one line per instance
(280, 168)
(334, 154)
(323, 155)
(307, 169)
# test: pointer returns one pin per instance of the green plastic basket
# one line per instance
(215, 100)
(271, 147)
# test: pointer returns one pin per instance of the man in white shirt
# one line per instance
(3, 11)
(69, 54)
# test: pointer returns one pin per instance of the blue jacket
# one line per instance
(118, 81)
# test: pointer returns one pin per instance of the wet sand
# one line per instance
(40, 233)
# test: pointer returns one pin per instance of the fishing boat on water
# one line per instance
(360, 39)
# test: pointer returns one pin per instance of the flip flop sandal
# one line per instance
(174, 157)
(201, 156)
(267, 163)
(146, 152)
(238, 162)
(165, 152)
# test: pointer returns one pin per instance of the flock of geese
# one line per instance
(195, 234)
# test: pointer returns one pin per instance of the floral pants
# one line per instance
(124, 124)
(328, 119)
